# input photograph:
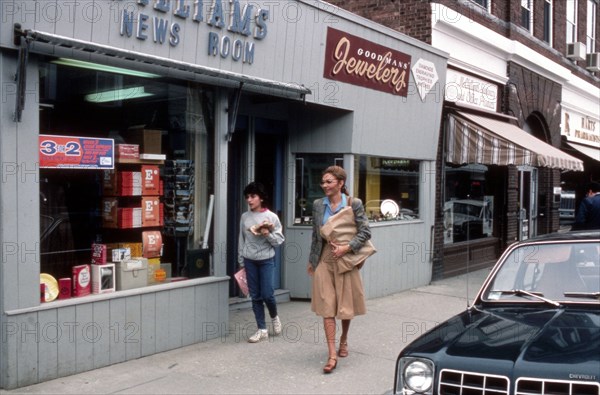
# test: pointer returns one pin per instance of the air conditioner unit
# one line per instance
(576, 51)
(593, 61)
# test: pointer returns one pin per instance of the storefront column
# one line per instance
(19, 191)
(220, 179)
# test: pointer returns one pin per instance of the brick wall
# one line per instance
(413, 18)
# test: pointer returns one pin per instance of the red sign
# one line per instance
(76, 152)
(361, 62)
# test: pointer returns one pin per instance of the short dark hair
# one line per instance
(256, 188)
(593, 186)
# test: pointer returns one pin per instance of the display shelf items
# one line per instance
(179, 198)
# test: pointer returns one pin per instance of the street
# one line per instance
(288, 364)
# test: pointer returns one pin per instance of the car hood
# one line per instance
(554, 343)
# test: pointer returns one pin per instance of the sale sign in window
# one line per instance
(76, 152)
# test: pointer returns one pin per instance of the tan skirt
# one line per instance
(336, 295)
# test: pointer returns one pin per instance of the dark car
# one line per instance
(533, 328)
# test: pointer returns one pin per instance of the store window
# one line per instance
(308, 177)
(468, 207)
(154, 203)
(388, 187)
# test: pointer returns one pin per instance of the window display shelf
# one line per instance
(140, 161)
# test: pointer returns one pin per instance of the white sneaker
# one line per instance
(260, 334)
(276, 325)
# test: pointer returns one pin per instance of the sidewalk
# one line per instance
(288, 364)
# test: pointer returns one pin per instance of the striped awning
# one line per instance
(478, 139)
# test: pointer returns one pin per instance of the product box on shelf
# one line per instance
(129, 183)
(152, 244)
(134, 248)
(109, 212)
(150, 180)
(65, 287)
(103, 278)
(127, 151)
(99, 254)
(149, 140)
(129, 217)
(121, 254)
(150, 211)
(132, 273)
(81, 280)
(153, 267)
(122, 183)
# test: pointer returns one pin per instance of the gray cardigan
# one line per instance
(363, 231)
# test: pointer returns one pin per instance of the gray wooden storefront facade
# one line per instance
(50, 340)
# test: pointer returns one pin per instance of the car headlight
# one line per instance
(416, 376)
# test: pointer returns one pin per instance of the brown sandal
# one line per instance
(328, 368)
(343, 351)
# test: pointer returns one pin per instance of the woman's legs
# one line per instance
(343, 352)
(254, 287)
(329, 326)
(267, 290)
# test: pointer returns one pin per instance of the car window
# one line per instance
(561, 271)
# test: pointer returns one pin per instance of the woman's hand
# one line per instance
(339, 250)
(310, 270)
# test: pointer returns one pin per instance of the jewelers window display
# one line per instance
(179, 204)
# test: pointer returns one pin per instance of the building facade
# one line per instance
(128, 131)
(530, 64)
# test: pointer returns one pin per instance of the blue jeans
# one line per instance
(259, 275)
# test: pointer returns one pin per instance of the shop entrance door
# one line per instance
(256, 153)
(527, 202)
(268, 163)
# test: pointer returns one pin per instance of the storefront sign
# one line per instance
(581, 129)
(470, 91)
(165, 20)
(425, 76)
(360, 62)
(76, 152)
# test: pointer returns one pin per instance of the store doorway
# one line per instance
(269, 148)
(528, 180)
(256, 153)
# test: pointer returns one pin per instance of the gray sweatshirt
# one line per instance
(259, 247)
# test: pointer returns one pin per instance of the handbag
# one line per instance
(240, 277)
(341, 228)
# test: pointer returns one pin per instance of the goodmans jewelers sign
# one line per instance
(361, 62)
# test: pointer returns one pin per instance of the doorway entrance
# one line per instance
(256, 153)
(528, 181)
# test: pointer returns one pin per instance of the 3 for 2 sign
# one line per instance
(76, 152)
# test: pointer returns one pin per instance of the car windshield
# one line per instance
(559, 271)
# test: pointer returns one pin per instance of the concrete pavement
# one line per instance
(287, 364)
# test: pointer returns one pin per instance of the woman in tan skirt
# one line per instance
(336, 295)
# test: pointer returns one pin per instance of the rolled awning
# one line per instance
(479, 139)
(83, 49)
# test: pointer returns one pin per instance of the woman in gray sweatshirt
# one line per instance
(260, 233)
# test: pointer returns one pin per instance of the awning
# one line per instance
(592, 152)
(81, 48)
(478, 139)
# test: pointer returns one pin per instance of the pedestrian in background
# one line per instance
(260, 232)
(588, 214)
(334, 294)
